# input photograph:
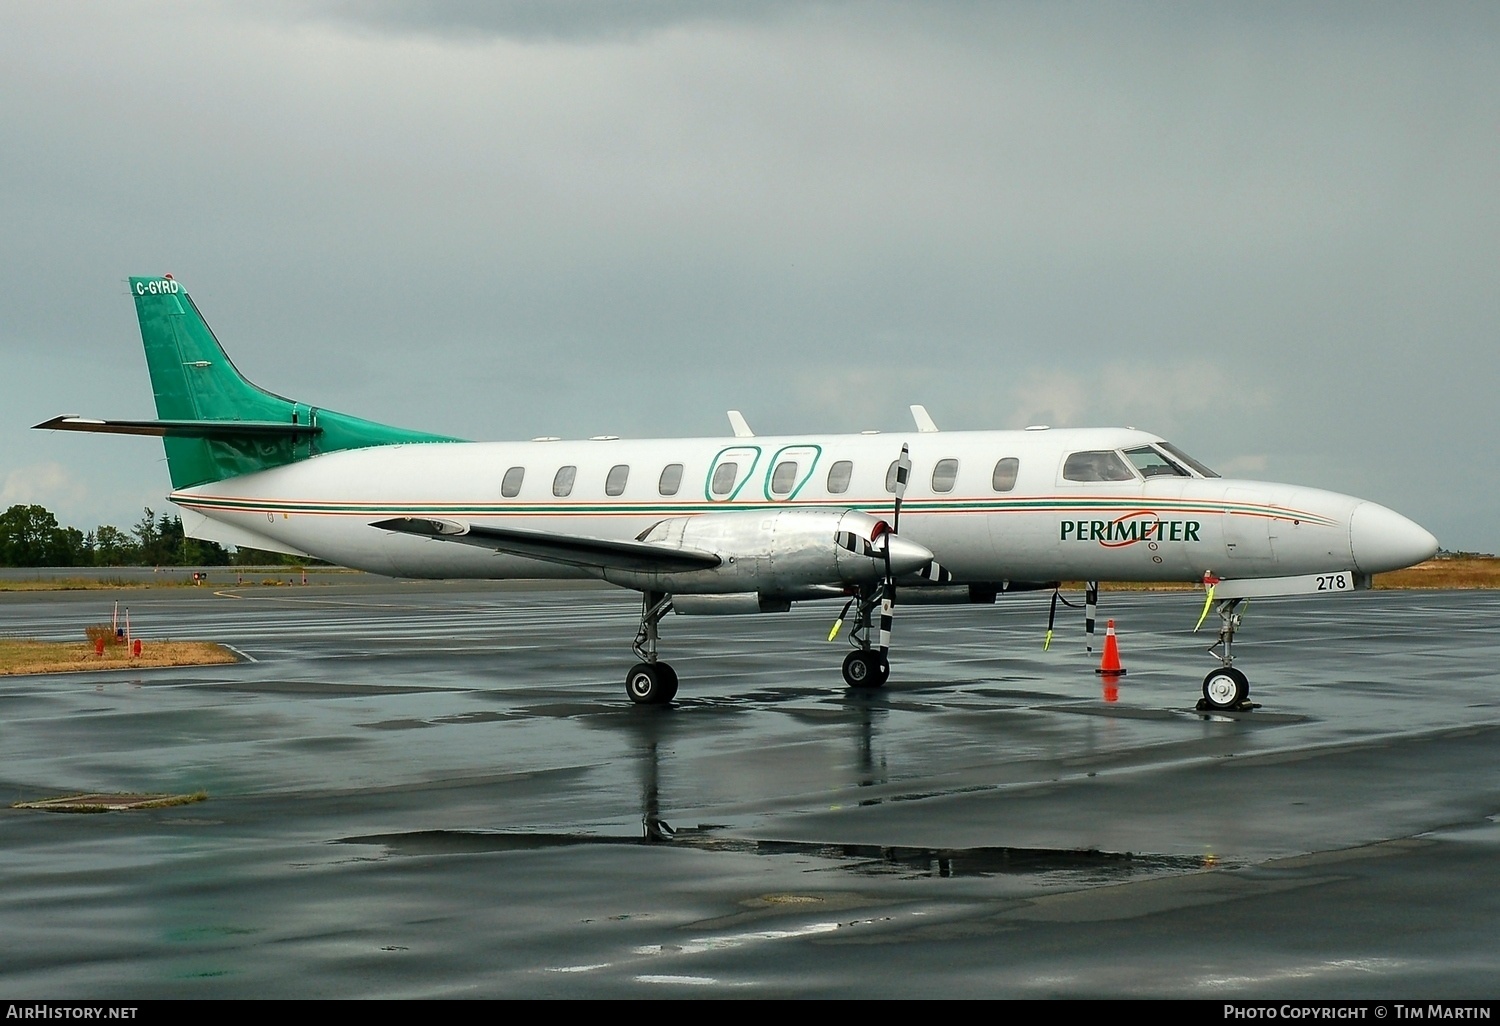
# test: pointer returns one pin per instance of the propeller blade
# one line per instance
(1091, 605)
(887, 614)
(903, 475)
(888, 587)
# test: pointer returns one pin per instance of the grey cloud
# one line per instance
(584, 21)
(1269, 230)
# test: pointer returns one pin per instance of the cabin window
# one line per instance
(614, 484)
(890, 476)
(562, 482)
(510, 484)
(944, 474)
(1004, 477)
(671, 479)
(1153, 464)
(784, 477)
(723, 481)
(1098, 465)
(838, 477)
(1178, 454)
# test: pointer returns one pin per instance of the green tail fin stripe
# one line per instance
(194, 381)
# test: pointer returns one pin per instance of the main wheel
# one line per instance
(648, 684)
(1225, 688)
(863, 668)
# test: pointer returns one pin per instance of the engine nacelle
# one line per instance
(776, 552)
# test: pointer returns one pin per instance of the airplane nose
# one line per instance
(1381, 539)
(907, 557)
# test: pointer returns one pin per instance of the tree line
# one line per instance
(31, 536)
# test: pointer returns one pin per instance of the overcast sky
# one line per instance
(1268, 231)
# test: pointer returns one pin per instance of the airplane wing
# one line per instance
(571, 550)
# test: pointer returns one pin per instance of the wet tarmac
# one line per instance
(440, 789)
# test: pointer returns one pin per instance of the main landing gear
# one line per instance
(650, 682)
(867, 667)
(1226, 689)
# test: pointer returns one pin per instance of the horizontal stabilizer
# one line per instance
(570, 550)
(183, 428)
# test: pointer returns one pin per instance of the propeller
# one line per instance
(888, 586)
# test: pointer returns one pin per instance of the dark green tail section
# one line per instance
(195, 384)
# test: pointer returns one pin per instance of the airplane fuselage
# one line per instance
(992, 506)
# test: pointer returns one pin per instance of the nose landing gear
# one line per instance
(1226, 689)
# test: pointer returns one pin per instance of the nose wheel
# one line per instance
(1225, 688)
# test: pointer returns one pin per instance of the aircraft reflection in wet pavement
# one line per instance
(744, 524)
(1083, 864)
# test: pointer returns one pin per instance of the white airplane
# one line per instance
(742, 524)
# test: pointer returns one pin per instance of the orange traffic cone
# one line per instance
(1110, 666)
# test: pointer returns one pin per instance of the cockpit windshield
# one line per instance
(1182, 457)
(1152, 463)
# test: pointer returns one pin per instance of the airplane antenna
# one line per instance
(740, 425)
(925, 424)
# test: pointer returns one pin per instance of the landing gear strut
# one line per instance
(1226, 688)
(650, 682)
(866, 667)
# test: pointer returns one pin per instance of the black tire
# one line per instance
(645, 684)
(1225, 688)
(865, 669)
(669, 680)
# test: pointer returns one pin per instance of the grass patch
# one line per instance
(1463, 572)
(19, 655)
(111, 802)
(90, 584)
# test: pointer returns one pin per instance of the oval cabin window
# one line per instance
(838, 477)
(723, 481)
(1004, 478)
(614, 484)
(944, 474)
(671, 479)
(784, 478)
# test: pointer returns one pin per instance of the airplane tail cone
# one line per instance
(1110, 666)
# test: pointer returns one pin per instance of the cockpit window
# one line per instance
(1153, 464)
(1178, 454)
(1097, 465)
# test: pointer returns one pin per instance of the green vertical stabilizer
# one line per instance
(196, 384)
